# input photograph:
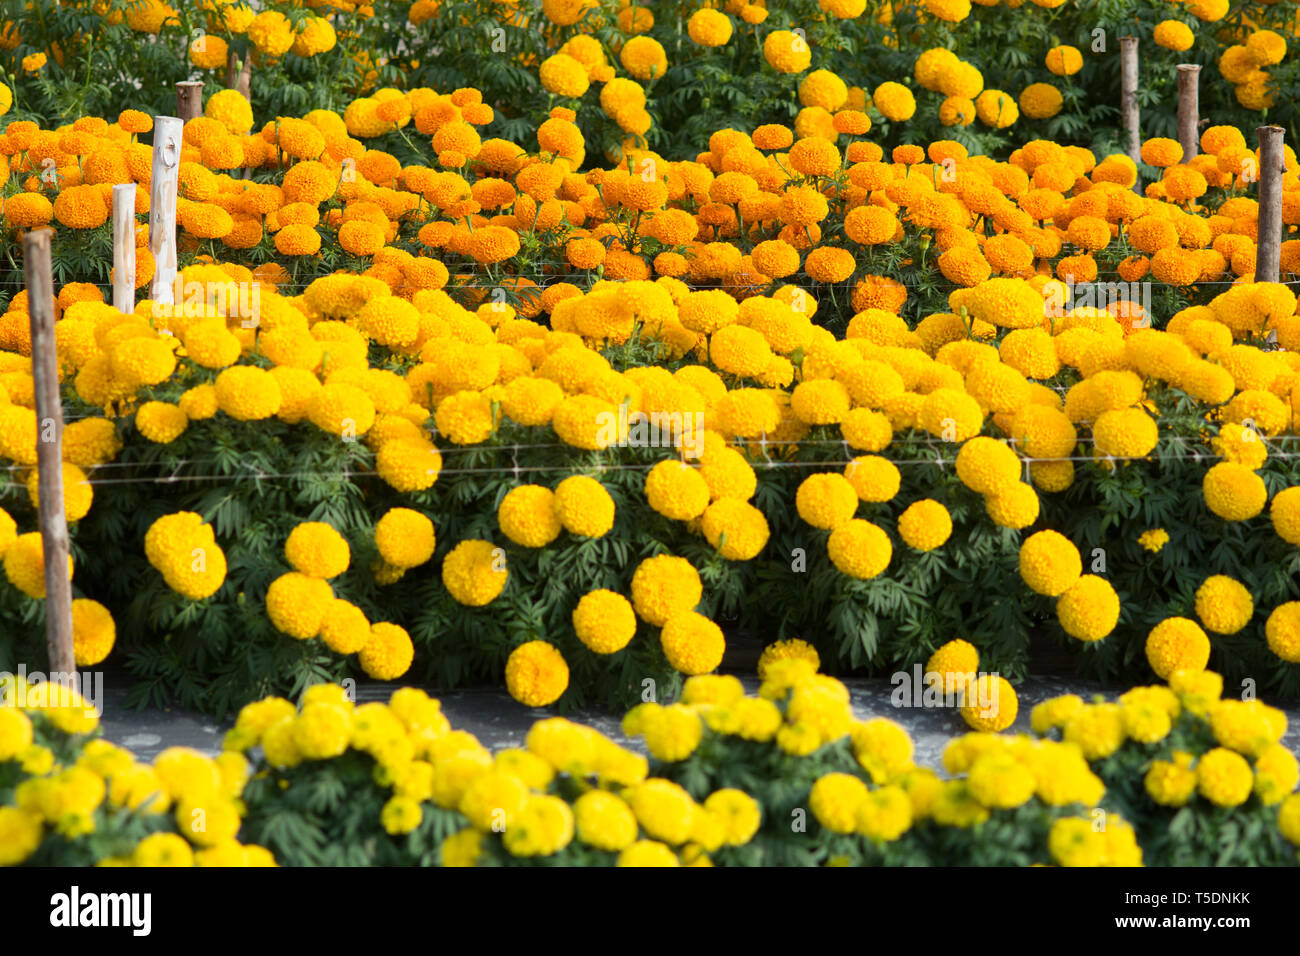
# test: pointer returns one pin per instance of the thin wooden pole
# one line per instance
(49, 453)
(1269, 241)
(124, 247)
(1128, 63)
(1189, 106)
(239, 75)
(189, 100)
(162, 206)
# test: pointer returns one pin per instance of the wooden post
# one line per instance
(239, 76)
(189, 100)
(162, 206)
(1128, 67)
(1189, 121)
(1271, 166)
(49, 453)
(124, 248)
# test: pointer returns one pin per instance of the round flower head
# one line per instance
(1049, 563)
(663, 587)
(317, 550)
(1177, 644)
(536, 674)
(475, 572)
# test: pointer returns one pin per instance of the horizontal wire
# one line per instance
(597, 469)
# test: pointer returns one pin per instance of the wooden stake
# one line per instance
(1128, 65)
(162, 206)
(245, 82)
(1189, 121)
(1271, 166)
(239, 76)
(49, 452)
(189, 100)
(124, 248)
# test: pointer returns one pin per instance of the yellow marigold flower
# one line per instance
(925, 525)
(1089, 608)
(647, 853)
(605, 822)
(536, 674)
(860, 549)
(401, 815)
(835, 799)
(677, 490)
(405, 538)
(826, 500)
(93, 632)
(296, 604)
(1049, 563)
(408, 465)
(711, 28)
(161, 422)
(1171, 783)
(1154, 540)
(1234, 492)
(604, 621)
(345, 629)
(344, 410)
(663, 587)
(1276, 774)
(987, 466)
(882, 748)
(528, 516)
(894, 101)
(1282, 630)
(317, 550)
(163, 849)
(1224, 605)
(24, 562)
(737, 529)
(584, 506)
(247, 393)
(230, 108)
(990, 703)
(475, 572)
(1176, 644)
(1174, 35)
(692, 643)
(786, 52)
(955, 662)
(1224, 777)
(78, 495)
(388, 653)
(794, 649)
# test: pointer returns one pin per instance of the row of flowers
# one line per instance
(788, 776)
(665, 74)
(915, 472)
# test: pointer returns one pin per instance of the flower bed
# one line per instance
(1165, 775)
(874, 463)
(464, 386)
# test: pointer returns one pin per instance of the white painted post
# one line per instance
(167, 132)
(124, 248)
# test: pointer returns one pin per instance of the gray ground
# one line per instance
(498, 721)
